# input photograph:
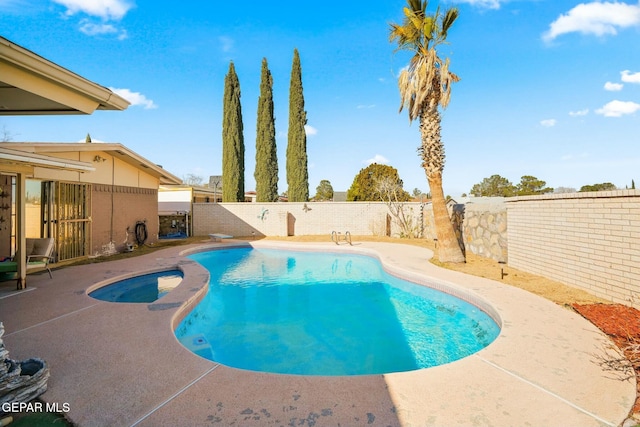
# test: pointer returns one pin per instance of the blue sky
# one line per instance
(549, 88)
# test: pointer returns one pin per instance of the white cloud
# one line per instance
(310, 130)
(135, 98)
(91, 29)
(548, 123)
(489, 4)
(378, 158)
(579, 113)
(595, 18)
(226, 43)
(618, 108)
(613, 87)
(105, 9)
(366, 107)
(628, 77)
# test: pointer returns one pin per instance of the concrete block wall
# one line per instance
(114, 208)
(429, 227)
(295, 219)
(239, 219)
(588, 240)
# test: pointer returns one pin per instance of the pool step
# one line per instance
(199, 345)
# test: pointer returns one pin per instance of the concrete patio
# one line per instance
(119, 364)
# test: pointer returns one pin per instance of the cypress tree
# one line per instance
(232, 140)
(297, 173)
(266, 173)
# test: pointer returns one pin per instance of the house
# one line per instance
(88, 212)
(175, 204)
(77, 207)
(32, 85)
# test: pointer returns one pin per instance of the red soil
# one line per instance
(622, 325)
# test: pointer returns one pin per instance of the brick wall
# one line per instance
(588, 240)
(129, 205)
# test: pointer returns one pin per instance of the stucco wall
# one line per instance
(588, 240)
(295, 219)
(108, 170)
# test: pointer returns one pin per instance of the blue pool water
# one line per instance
(145, 288)
(316, 313)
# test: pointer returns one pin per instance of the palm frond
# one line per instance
(447, 21)
(446, 79)
(405, 91)
(429, 27)
(417, 5)
(426, 83)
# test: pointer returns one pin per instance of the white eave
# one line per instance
(33, 85)
(22, 158)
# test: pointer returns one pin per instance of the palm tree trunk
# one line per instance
(432, 153)
(448, 247)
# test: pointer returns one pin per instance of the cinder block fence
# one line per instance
(587, 240)
(292, 219)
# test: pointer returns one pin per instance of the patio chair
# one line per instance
(39, 252)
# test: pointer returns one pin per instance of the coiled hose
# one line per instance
(141, 233)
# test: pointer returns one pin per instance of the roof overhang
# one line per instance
(20, 161)
(32, 85)
(118, 151)
(193, 188)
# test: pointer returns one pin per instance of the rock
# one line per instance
(20, 381)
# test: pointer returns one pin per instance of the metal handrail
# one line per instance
(336, 237)
(347, 237)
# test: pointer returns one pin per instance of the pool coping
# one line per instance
(116, 364)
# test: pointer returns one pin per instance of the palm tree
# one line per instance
(425, 85)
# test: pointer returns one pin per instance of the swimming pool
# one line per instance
(313, 313)
(145, 288)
